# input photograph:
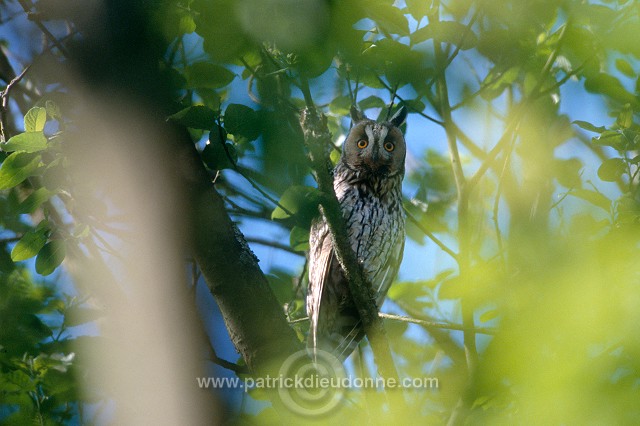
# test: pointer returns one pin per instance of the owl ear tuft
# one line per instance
(399, 117)
(356, 115)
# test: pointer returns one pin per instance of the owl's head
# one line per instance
(377, 148)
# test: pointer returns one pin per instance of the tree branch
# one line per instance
(255, 320)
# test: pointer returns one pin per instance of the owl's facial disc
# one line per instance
(377, 148)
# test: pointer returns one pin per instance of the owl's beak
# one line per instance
(372, 161)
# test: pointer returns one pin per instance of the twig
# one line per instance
(44, 29)
(238, 369)
(268, 243)
(440, 325)
(496, 203)
(432, 237)
(464, 251)
(5, 102)
(422, 114)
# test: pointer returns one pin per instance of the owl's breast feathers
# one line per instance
(372, 208)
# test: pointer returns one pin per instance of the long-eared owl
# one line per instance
(368, 184)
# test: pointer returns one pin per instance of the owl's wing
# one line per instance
(320, 259)
(388, 272)
(384, 278)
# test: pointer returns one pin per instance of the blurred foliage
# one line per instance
(550, 193)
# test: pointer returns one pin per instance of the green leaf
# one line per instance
(17, 167)
(53, 110)
(625, 118)
(299, 238)
(488, 315)
(418, 8)
(240, 120)
(29, 245)
(371, 102)
(613, 139)
(388, 17)
(449, 32)
(588, 126)
(610, 86)
(26, 142)
(76, 315)
(341, 105)
(625, 68)
(34, 200)
(35, 119)
(50, 257)
(414, 104)
(299, 201)
(187, 25)
(196, 117)
(593, 197)
(208, 75)
(218, 156)
(612, 169)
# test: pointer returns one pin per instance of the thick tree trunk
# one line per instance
(255, 320)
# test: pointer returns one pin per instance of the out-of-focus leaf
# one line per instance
(488, 315)
(610, 86)
(50, 257)
(388, 17)
(17, 167)
(625, 118)
(497, 81)
(371, 102)
(408, 290)
(299, 239)
(186, 24)
(299, 201)
(449, 32)
(218, 156)
(341, 105)
(35, 119)
(26, 142)
(240, 120)
(76, 315)
(418, 8)
(196, 117)
(569, 172)
(53, 110)
(625, 68)
(612, 169)
(6, 263)
(208, 75)
(281, 285)
(595, 198)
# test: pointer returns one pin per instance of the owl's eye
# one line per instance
(362, 143)
(389, 146)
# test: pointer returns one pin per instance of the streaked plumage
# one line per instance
(368, 184)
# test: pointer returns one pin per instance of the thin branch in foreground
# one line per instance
(33, 18)
(433, 324)
(432, 237)
(424, 323)
(4, 105)
(276, 245)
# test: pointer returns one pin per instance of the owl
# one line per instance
(368, 184)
